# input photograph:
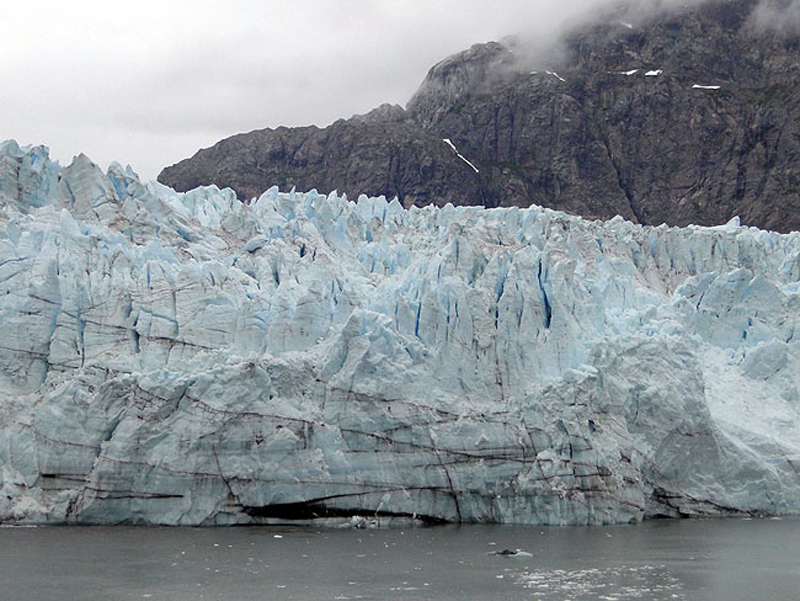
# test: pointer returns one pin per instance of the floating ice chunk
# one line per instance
(511, 553)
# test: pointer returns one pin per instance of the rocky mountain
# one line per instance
(685, 116)
(382, 152)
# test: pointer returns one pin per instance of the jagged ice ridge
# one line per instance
(174, 358)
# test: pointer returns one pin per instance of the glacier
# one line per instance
(189, 359)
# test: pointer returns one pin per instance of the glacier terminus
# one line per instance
(189, 359)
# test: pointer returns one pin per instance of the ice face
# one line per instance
(190, 359)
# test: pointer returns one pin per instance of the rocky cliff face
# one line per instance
(687, 117)
(379, 153)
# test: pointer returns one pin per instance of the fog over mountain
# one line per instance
(151, 86)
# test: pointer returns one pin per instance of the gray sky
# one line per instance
(147, 83)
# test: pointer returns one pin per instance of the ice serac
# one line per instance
(175, 358)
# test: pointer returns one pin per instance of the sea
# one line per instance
(691, 560)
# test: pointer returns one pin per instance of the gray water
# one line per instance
(726, 560)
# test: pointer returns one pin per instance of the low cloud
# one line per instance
(782, 16)
(151, 86)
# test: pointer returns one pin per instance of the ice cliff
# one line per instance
(191, 359)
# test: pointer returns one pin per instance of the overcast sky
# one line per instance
(147, 83)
